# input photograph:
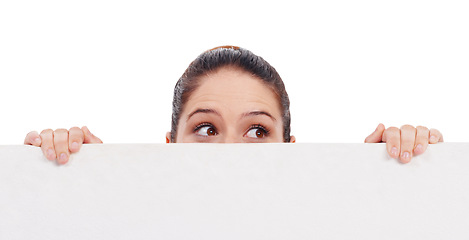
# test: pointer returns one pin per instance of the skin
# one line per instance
(232, 106)
(406, 142)
(59, 144)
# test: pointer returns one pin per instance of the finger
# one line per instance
(392, 137)
(75, 139)
(47, 145)
(421, 140)
(435, 136)
(408, 133)
(61, 145)
(89, 137)
(377, 135)
(33, 138)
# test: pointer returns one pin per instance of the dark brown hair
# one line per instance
(232, 56)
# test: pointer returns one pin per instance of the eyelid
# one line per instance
(258, 126)
(202, 125)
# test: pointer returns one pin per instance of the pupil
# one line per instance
(211, 132)
(259, 133)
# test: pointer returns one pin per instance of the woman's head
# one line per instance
(229, 94)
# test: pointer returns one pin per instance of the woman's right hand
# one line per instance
(60, 143)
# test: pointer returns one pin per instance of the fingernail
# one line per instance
(37, 141)
(433, 139)
(394, 152)
(63, 158)
(50, 154)
(418, 149)
(406, 156)
(74, 146)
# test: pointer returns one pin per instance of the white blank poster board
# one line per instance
(235, 191)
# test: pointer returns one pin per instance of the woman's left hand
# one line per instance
(405, 142)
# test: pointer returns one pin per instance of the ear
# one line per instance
(168, 137)
(292, 139)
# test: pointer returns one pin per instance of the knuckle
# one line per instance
(422, 135)
(46, 131)
(60, 137)
(75, 129)
(435, 131)
(61, 130)
(32, 133)
(391, 132)
(422, 128)
(407, 127)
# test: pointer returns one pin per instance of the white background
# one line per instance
(347, 65)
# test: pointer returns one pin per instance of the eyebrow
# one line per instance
(257, 113)
(203, 110)
(247, 114)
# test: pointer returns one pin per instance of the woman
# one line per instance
(230, 95)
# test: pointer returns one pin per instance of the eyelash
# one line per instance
(205, 124)
(264, 129)
(260, 127)
(254, 126)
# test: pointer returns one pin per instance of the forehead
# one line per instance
(233, 89)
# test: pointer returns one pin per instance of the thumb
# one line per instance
(33, 138)
(88, 137)
(377, 135)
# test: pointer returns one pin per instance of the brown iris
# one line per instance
(211, 132)
(260, 133)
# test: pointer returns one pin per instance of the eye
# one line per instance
(206, 130)
(257, 131)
